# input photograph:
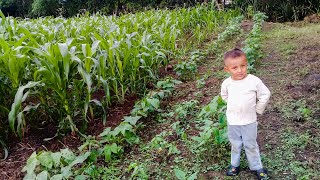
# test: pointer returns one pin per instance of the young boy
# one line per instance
(241, 92)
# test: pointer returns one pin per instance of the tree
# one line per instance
(45, 7)
(7, 7)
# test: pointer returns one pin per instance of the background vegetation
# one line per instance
(276, 10)
(281, 10)
(67, 8)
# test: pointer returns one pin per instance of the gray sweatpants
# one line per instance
(245, 135)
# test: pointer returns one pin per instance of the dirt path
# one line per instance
(289, 129)
(289, 134)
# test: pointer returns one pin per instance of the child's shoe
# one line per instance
(233, 171)
(261, 174)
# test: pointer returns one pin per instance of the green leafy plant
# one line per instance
(213, 135)
(161, 146)
(57, 165)
(252, 47)
(139, 171)
(111, 150)
(145, 106)
(200, 83)
(185, 111)
(231, 30)
(297, 111)
(180, 131)
(186, 69)
(4, 148)
(182, 175)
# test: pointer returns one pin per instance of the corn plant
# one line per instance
(75, 58)
(4, 148)
(109, 145)
(16, 115)
(55, 68)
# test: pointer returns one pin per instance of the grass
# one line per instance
(285, 160)
(291, 152)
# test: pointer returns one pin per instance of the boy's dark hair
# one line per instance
(234, 53)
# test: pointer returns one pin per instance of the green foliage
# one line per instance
(212, 138)
(5, 3)
(182, 175)
(44, 7)
(231, 30)
(69, 8)
(87, 63)
(161, 146)
(4, 149)
(145, 106)
(168, 84)
(151, 102)
(109, 145)
(279, 10)
(179, 130)
(295, 141)
(16, 113)
(187, 69)
(185, 111)
(111, 150)
(297, 111)
(200, 83)
(139, 171)
(252, 48)
(50, 165)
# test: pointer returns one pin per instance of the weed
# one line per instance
(179, 130)
(186, 70)
(297, 111)
(198, 94)
(285, 160)
(295, 141)
(139, 171)
(185, 111)
(287, 49)
(200, 83)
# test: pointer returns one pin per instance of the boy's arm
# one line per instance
(263, 96)
(224, 92)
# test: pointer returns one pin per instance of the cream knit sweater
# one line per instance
(245, 98)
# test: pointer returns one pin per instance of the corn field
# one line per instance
(54, 69)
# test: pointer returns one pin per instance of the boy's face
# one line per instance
(236, 67)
